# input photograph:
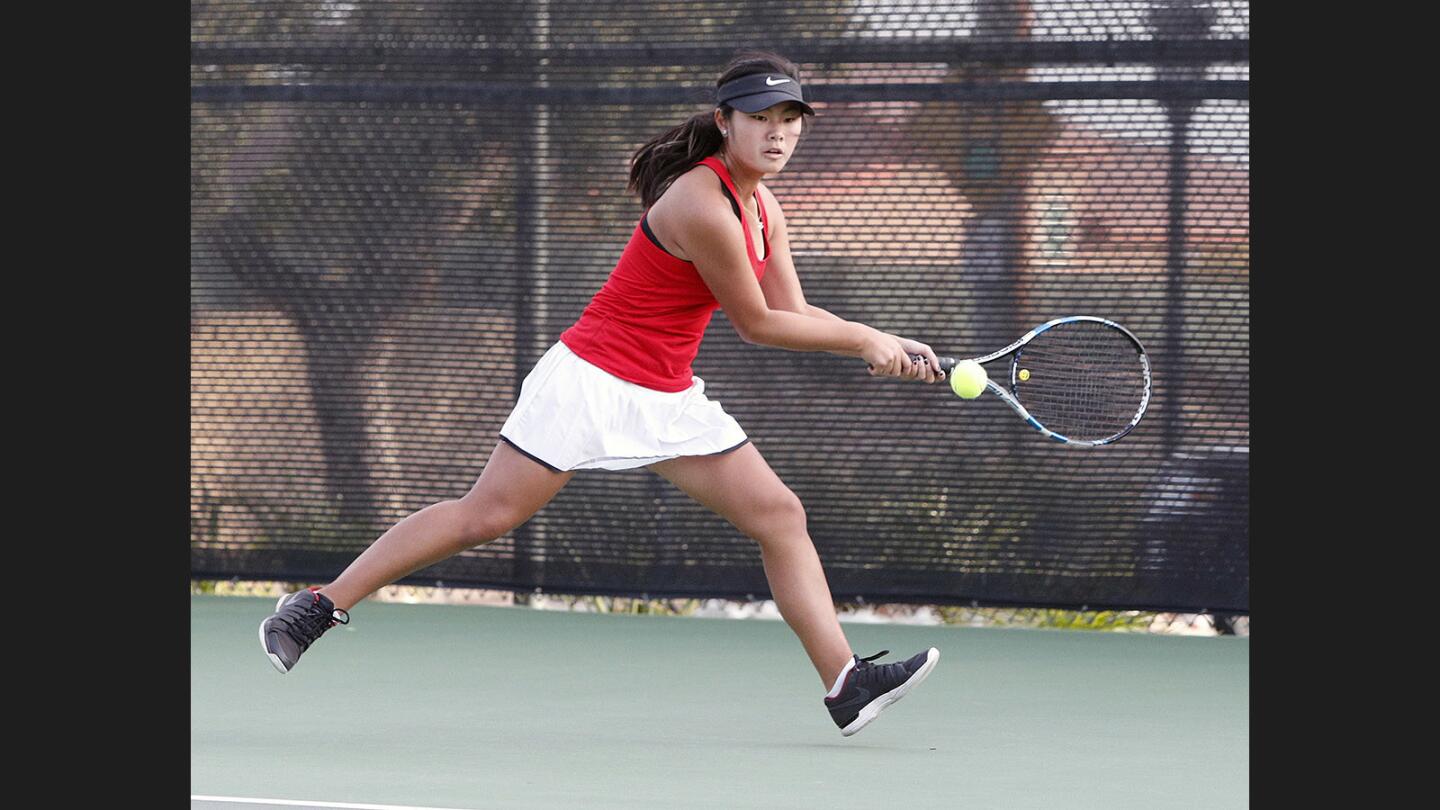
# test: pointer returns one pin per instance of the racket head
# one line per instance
(1083, 380)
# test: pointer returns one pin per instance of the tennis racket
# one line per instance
(1079, 380)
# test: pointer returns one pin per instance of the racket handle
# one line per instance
(946, 363)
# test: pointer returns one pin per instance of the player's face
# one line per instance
(764, 141)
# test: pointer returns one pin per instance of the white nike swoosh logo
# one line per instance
(773, 83)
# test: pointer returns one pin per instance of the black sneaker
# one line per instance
(869, 689)
(299, 619)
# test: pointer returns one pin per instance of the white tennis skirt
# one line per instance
(572, 415)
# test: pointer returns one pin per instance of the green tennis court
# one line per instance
(431, 706)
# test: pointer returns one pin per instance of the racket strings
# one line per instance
(1086, 380)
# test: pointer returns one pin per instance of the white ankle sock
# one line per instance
(840, 681)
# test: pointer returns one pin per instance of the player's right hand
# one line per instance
(886, 356)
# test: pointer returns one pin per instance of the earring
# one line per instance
(724, 133)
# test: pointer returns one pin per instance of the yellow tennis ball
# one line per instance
(968, 379)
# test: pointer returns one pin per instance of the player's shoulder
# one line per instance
(694, 196)
(772, 204)
(771, 201)
(699, 181)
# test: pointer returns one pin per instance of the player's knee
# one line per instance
(483, 522)
(792, 511)
(781, 517)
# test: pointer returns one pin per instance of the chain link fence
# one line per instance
(396, 208)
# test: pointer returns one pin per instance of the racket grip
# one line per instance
(946, 363)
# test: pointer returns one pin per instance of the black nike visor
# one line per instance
(760, 91)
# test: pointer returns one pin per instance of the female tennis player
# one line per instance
(617, 392)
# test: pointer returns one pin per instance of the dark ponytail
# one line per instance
(655, 165)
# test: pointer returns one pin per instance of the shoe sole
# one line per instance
(873, 709)
(274, 659)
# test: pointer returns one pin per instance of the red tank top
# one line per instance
(646, 323)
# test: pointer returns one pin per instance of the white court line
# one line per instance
(297, 803)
